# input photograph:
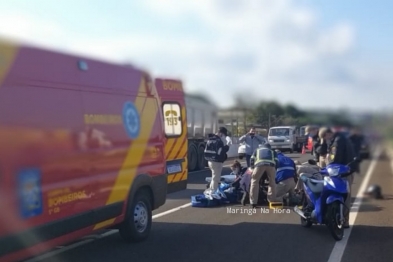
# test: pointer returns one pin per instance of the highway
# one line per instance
(213, 234)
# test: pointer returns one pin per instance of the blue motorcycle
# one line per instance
(323, 201)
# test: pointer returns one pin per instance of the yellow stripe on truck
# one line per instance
(8, 54)
(182, 147)
(135, 153)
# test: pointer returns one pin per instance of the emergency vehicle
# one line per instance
(84, 146)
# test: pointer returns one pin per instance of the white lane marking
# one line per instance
(95, 237)
(339, 247)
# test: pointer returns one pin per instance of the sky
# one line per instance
(311, 53)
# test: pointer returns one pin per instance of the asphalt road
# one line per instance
(213, 234)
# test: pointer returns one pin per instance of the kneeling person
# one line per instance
(285, 177)
(263, 160)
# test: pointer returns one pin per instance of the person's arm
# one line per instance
(243, 138)
(229, 140)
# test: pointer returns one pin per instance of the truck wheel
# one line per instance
(137, 224)
(201, 158)
(192, 157)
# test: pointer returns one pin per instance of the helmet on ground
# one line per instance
(267, 145)
(374, 191)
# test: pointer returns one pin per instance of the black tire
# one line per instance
(192, 157)
(201, 158)
(139, 209)
(332, 221)
(305, 222)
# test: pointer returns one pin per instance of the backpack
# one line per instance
(215, 149)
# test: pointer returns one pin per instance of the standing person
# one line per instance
(340, 152)
(264, 159)
(357, 140)
(252, 142)
(313, 133)
(322, 149)
(216, 153)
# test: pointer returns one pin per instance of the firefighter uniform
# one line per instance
(263, 160)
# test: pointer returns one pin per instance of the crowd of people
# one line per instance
(329, 146)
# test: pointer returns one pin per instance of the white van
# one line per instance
(285, 138)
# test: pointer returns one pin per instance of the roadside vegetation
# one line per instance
(270, 113)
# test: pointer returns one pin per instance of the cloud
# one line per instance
(273, 49)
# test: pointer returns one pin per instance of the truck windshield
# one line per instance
(279, 132)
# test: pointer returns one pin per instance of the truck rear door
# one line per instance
(175, 128)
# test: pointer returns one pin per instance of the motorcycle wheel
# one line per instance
(333, 221)
(305, 222)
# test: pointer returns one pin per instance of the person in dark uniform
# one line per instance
(321, 149)
(357, 140)
(313, 133)
(340, 152)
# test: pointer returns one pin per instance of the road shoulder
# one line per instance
(371, 237)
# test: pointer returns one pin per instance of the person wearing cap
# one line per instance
(252, 142)
(216, 164)
(264, 159)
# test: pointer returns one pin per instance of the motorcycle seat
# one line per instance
(316, 186)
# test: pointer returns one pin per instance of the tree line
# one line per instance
(271, 113)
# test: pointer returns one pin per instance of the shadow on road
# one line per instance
(206, 242)
(199, 177)
(369, 243)
(184, 194)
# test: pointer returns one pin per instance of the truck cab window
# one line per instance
(172, 119)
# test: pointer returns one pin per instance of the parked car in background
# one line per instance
(286, 138)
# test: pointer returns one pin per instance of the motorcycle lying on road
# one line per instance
(323, 201)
